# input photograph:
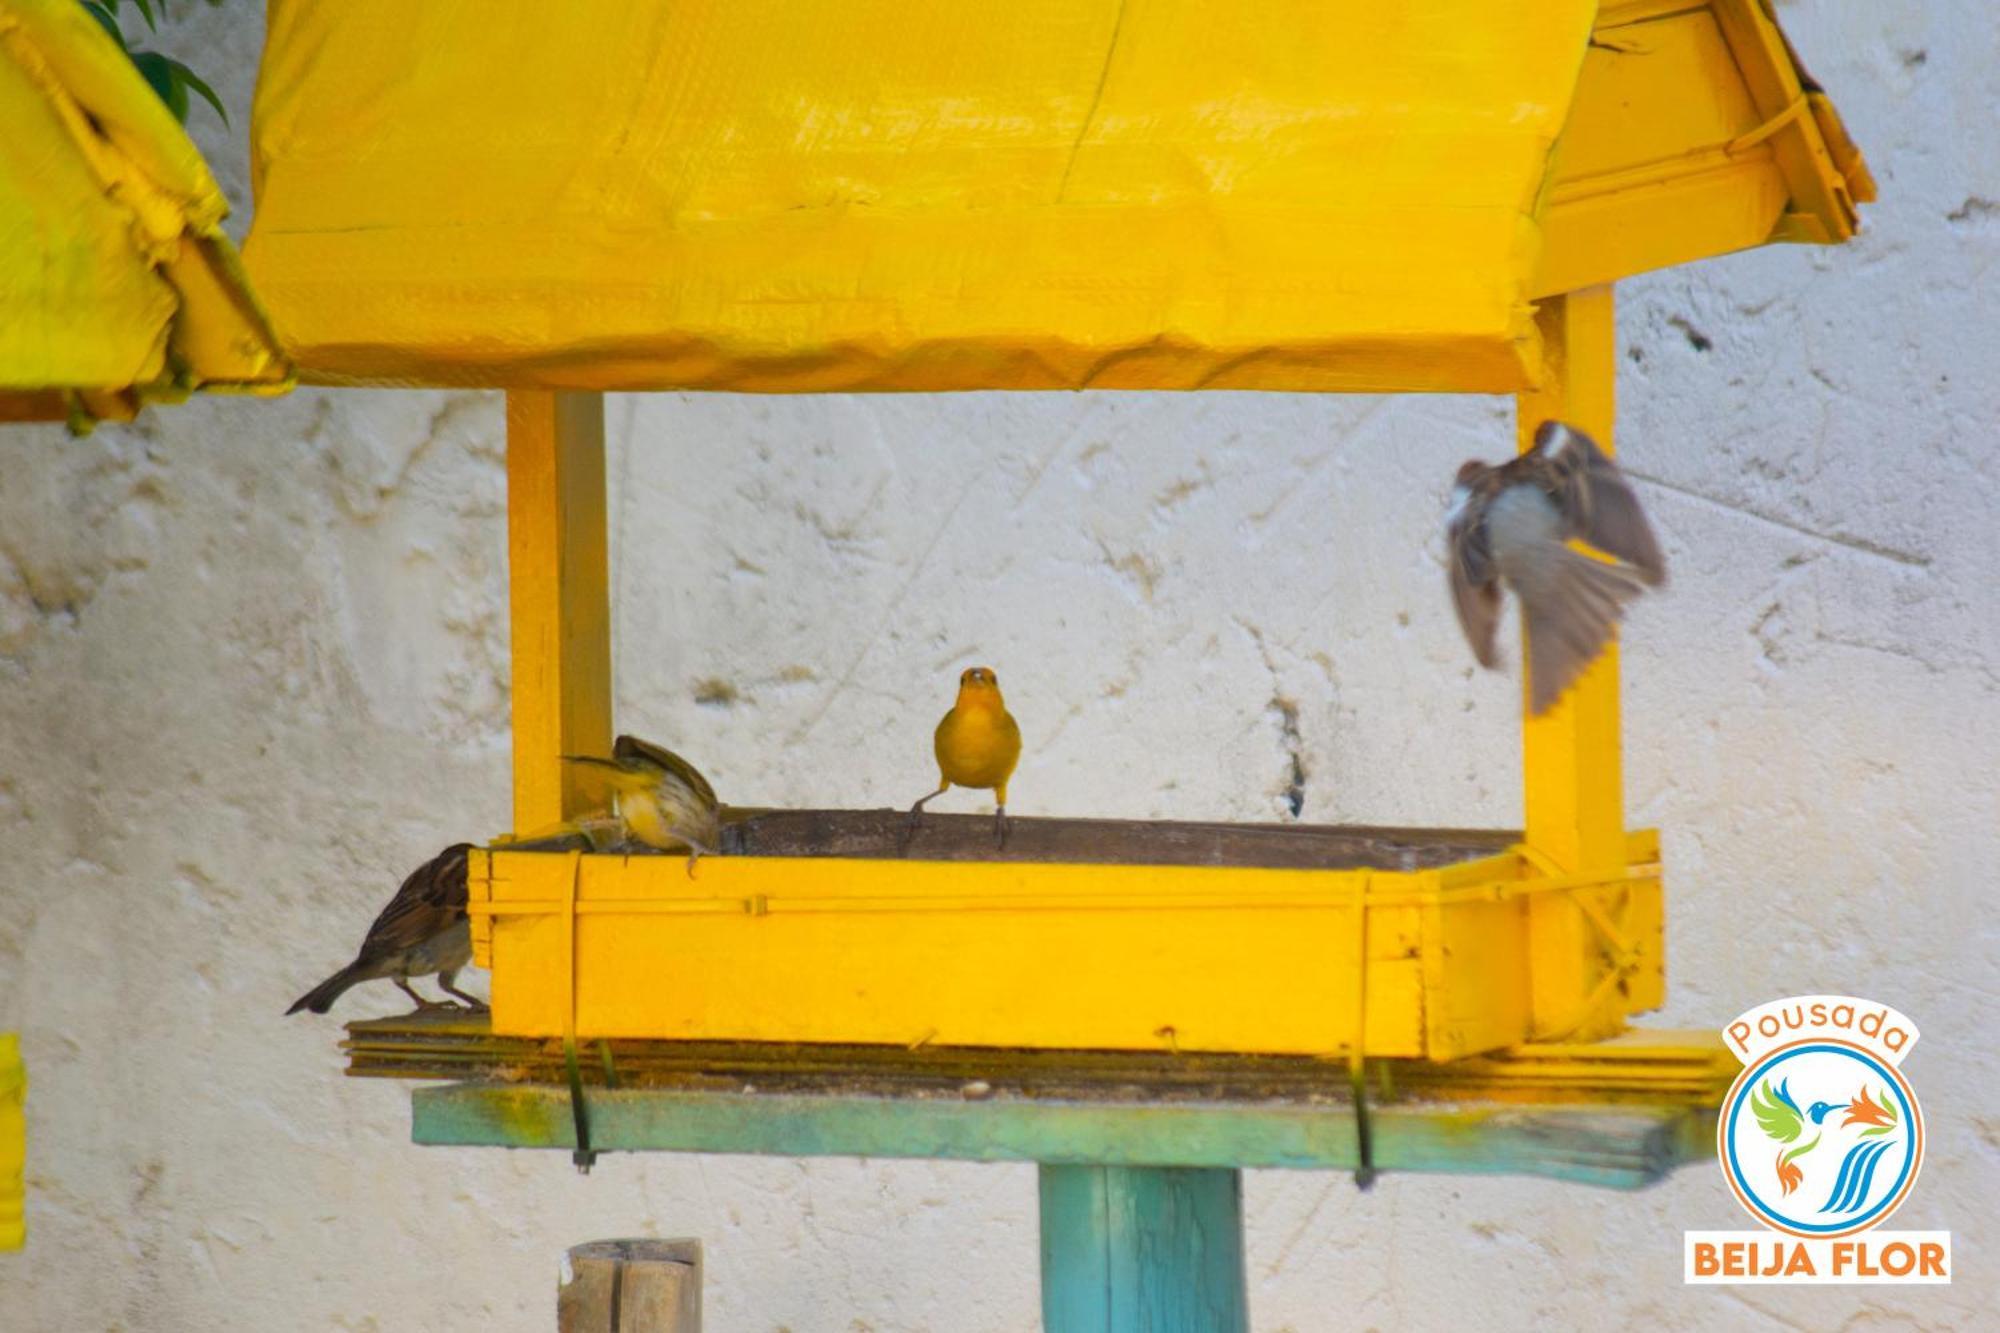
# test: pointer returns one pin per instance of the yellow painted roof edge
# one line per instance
(1606, 221)
(1820, 162)
(220, 338)
(1784, 170)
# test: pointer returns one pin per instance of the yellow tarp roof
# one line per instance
(757, 195)
(117, 284)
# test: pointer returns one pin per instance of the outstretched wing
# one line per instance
(633, 750)
(431, 900)
(1475, 584)
(1598, 501)
(1777, 1114)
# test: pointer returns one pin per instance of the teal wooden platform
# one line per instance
(1141, 1204)
(1621, 1147)
(1140, 1154)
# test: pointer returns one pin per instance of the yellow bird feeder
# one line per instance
(117, 284)
(1036, 194)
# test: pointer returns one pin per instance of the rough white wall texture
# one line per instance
(255, 667)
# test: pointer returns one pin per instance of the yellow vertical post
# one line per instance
(13, 1143)
(1573, 776)
(560, 598)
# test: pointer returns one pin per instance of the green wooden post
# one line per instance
(1141, 1249)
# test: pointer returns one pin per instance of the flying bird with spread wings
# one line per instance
(1513, 525)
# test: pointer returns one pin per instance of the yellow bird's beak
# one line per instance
(979, 686)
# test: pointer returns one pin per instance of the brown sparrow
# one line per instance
(1513, 524)
(424, 931)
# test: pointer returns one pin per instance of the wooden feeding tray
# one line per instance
(817, 926)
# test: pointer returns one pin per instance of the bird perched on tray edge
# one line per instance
(424, 931)
(664, 800)
(977, 745)
(1513, 523)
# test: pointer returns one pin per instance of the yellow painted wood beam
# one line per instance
(1572, 758)
(1574, 783)
(558, 577)
(13, 1143)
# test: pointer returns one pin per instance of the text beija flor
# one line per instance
(1779, 1258)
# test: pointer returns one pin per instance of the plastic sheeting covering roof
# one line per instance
(1033, 194)
(117, 285)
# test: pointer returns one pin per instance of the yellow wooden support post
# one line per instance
(1573, 777)
(13, 1143)
(558, 574)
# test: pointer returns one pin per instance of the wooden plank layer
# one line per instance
(880, 833)
(1644, 1067)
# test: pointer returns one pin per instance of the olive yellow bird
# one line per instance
(977, 745)
(663, 799)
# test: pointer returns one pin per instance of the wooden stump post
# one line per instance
(631, 1286)
(1132, 1249)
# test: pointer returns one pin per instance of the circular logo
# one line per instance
(1820, 1138)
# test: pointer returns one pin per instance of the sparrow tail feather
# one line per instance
(321, 997)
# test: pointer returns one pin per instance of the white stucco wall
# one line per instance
(253, 667)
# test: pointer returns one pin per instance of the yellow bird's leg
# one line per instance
(696, 850)
(1000, 816)
(916, 811)
(603, 832)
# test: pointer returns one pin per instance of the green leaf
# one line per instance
(189, 79)
(152, 67)
(145, 8)
(177, 99)
(96, 10)
(1876, 1132)
(158, 71)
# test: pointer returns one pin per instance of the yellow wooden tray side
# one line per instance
(1430, 964)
